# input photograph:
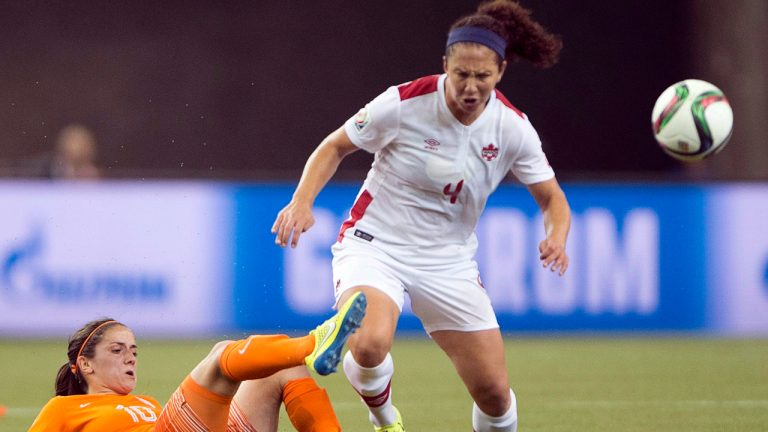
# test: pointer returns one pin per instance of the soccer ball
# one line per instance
(692, 120)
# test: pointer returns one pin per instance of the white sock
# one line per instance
(373, 386)
(507, 422)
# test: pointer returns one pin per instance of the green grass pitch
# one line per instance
(573, 383)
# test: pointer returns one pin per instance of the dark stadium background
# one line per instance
(237, 94)
(246, 90)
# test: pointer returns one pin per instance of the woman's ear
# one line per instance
(502, 68)
(84, 365)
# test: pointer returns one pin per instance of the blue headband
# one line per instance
(478, 35)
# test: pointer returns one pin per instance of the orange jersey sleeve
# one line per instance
(98, 413)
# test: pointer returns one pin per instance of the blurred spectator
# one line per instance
(74, 156)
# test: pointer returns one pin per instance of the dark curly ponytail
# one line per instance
(526, 38)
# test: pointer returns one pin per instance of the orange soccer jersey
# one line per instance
(98, 413)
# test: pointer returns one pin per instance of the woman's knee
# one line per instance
(371, 349)
(218, 348)
(373, 340)
(211, 361)
(492, 398)
(208, 372)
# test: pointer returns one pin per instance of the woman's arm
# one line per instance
(557, 222)
(296, 217)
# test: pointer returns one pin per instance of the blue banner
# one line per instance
(644, 257)
(637, 260)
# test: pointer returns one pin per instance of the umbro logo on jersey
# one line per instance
(431, 144)
(490, 152)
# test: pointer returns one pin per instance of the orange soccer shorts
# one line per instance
(193, 408)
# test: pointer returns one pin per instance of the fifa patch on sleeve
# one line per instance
(363, 235)
(362, 118)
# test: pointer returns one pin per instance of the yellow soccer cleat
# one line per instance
(397, 426)
(331, 335)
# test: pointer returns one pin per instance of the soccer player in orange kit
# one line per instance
(238, 386)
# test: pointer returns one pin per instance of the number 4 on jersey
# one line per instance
(454, 194)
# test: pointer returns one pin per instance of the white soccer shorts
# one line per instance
(444, 297)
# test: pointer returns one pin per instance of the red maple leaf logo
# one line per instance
(490, 152)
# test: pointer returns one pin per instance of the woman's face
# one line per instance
(113, 366)
(473, 73)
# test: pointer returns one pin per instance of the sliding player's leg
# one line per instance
(261, 356)
(210, 387)
(307, 405)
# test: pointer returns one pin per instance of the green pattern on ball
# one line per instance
(681, 94)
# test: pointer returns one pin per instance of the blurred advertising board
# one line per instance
(738, 259)
(637, 260)
(153, 255)
(192, 259)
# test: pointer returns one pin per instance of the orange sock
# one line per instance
(261, 356)
(308, 407)
(210, 407)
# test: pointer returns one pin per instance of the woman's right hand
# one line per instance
(293, 220)
(296, 217)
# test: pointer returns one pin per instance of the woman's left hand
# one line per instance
(552, 254)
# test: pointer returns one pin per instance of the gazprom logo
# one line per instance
(26, 276)
(765, 276)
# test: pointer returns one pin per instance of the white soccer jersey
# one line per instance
(432, 175)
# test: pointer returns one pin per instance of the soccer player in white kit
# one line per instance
(442, 145)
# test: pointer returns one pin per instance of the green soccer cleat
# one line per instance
(331, 335)
(397, 426)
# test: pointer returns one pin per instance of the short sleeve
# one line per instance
(50, 418)
(376, 124)
(530, 164)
